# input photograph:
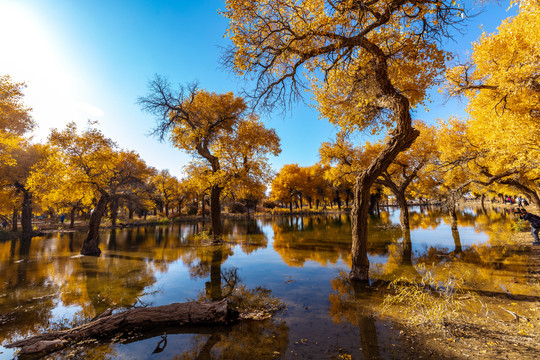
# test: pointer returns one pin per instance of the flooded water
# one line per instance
(44, 286)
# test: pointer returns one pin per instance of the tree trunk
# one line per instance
(215, 212)
(26, 214)
(404, 211)
(167, 209)
(290, 206)
(14, 219)
(91, 243)
(109, 325)
(359, 216)
(402, 137)
(72, 217)
(214, 286)
(203, 207)
(532, 194)
(406, 257)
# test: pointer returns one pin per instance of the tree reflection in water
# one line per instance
(43, 286)
(356, 304)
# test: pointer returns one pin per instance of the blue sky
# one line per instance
(92, 59)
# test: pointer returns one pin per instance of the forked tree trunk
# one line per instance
(91, 243)
(215, 212)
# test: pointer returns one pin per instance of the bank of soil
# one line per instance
(507, 327)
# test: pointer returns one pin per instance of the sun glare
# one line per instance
(33, 53)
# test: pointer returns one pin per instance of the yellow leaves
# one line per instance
(93, 159)
(14, 116)
(15, 119)
(500, 83)
(334, 44)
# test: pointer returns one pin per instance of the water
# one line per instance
(44, 285)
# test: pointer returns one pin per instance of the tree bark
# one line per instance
(203, 207)
(404, 211)
(26, 211)
(26, 214)
(402, 137)
(91, 243)
(108, 325)
(14, 219)
(72, 217)
(215, 212)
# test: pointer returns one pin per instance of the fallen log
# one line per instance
(108, 324)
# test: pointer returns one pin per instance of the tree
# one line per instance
(287, 184)
(245, 162)
(16, 177)
(407, 168)
(15, 118)
(501, 82)
(55, 184)
(213, 127)
(165, 185)
(96, 161)
(367, 63)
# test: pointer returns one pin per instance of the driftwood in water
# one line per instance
(107, 324)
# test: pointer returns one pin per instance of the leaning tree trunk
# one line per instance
(215, 212)
(403, 135)
(532, 194)
(91, 243)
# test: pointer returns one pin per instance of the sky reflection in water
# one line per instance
(46, 286)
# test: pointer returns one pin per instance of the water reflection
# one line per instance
(45, 286)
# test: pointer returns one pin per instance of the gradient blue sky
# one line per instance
(92, 59)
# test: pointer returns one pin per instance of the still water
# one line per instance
(44, 285)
